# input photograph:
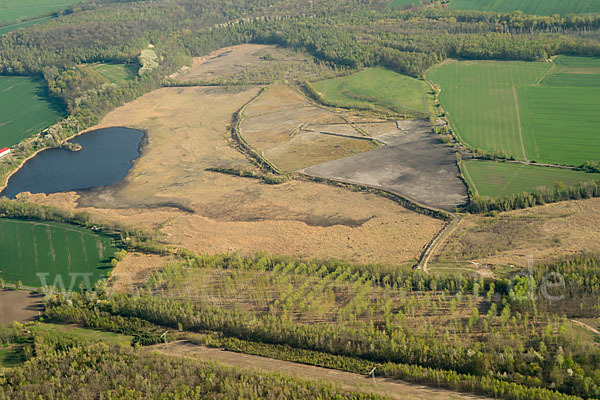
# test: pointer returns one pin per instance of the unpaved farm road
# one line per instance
(345, 380)
(586, 326)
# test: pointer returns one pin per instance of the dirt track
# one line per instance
(346, 380)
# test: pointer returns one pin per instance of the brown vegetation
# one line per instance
(169, 189)
(253, 63)
(293, 133)
(536, 234)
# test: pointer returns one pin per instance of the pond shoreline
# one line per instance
(143, 141)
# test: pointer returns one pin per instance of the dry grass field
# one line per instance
(515, 237)
(169, 189)
(253, 63)
(288, 130)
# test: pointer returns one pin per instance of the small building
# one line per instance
(4, 152)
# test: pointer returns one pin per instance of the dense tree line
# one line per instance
(65, 368)
(539, 196)
(133, 239)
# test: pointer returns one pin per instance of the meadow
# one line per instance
(24, 109)
(546, 7)
(117, 73)
(14, 11)
(499, 179)
(544, 112)
(58, 251)
(379, 87)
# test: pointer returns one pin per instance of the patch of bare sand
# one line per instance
(18, 305)
(540, 233)
(170, 190)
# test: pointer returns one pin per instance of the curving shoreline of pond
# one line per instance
(106, 156)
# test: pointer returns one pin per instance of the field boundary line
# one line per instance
(402, 200)
(438, 239)
(519, 122)
(350, 381)
(545, 74)
(470, 181)
(30, 21)
(246, 148)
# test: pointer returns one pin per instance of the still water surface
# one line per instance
(105, 158)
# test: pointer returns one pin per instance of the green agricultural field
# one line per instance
(12, 27)
(117, 73)
(57, 251)
(380, 87)
(544, 112)
(14, 11)
(24, 109)
(481, 101)
(577, 65)
(538, 7)
(499, 179)
(561, 123)
(572, 80)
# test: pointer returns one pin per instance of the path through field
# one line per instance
(586, 326)
(346, 380)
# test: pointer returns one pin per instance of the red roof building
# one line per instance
(4, 152)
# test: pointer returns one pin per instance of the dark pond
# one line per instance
(105, 157)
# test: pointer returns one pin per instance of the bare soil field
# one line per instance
(413, 163)
(293, 133)
(133, 270)
(253, 63)
(515, 237)
(19, 305)
(169, 189)
(348, 381)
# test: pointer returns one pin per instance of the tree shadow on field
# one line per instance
(55, 104)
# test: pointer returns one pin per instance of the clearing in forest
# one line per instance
(546, 7)
(377, 88)
(499, 179)
(253, 64)
(544, 112)
(116, 73)
(59, 252)
(25, 109)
